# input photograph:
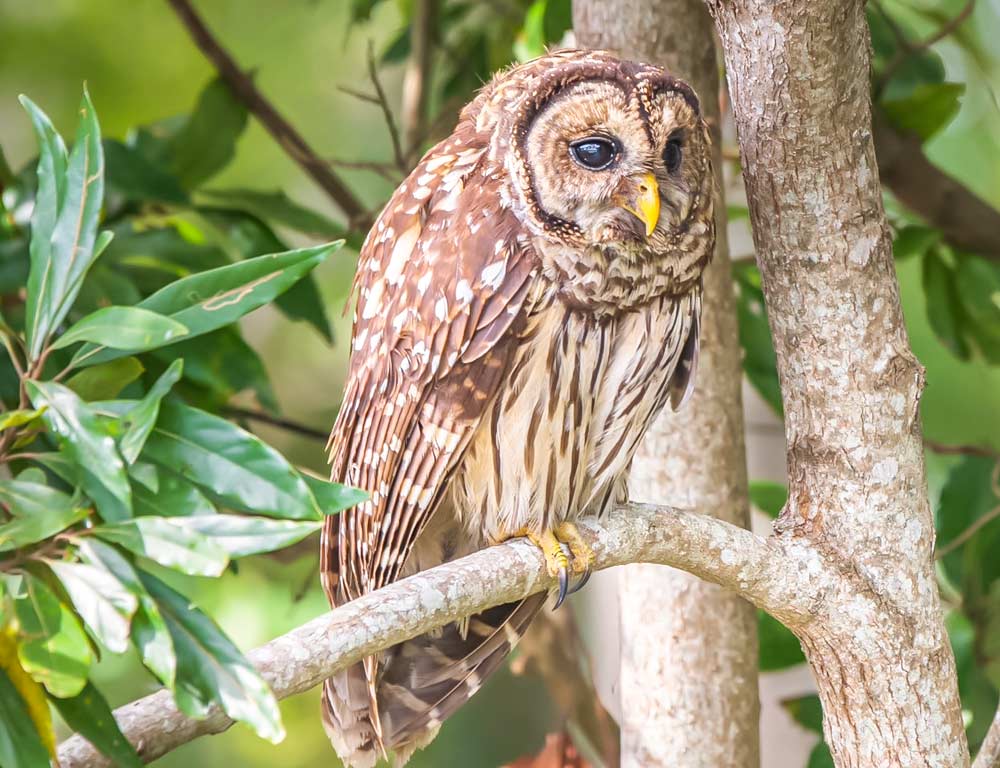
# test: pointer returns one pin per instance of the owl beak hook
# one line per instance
(645, 204)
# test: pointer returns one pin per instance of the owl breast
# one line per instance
(558, 439)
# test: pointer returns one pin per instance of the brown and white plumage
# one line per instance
(521, 318)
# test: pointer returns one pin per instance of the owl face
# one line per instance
(621, 162)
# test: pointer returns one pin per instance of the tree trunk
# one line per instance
(799, 80)
(688, 670)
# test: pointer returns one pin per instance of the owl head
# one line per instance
(609, 164)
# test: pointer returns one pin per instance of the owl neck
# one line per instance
(610, 281)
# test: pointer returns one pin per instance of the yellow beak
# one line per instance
(646, 204)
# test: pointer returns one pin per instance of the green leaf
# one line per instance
(88, 442)
(779, 648)
(806, 711)
(218, 297)
(768, 497)
(978, 283)
(176, 497)
(926, 110)
(64, 240)
(232, 464)
(149, 631)
(820, 757)
(88, 714)
(966, 498)
(140, 419)
(241, 536)
(20, 744)
(276, 208)
(136, 178)
(759, 361)
(104, 603)
(207, 142)
(18, 418)
(130, 328)
(163, 540)
(944, 304)
(107, 380)
(55, 650)
(211, 669)
(334, 497)
(914, 240)
(39, 512)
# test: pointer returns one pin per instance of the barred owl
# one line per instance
(527, 302)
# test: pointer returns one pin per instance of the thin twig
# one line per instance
(989, 752)
(908, 49)
(949, 449)
(383, 102)
(275, 421)
(283, 132)
(968, 533)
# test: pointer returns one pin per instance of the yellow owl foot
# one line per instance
(565, 552)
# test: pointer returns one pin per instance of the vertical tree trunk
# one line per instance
(688, 676)
(799, 80)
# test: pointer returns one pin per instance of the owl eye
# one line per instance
(594, 153)
(672, 154)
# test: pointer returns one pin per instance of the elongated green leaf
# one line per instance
(211, 669)
(149, 631)
(20, 744)
(164, 541)
(59, 266)
(944, 303)
(18, 418)
(55, 651)
(207, 142)
(39, 512)
(176, 497)
(88, 442)
(107, 380)
(102, 601)
(139, 420)
(240, 535)
(334, 497)
(88, 714)
(123, 328)
(232, 464)
(218, 297)
(273, 207)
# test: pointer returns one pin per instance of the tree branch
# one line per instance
(283, 132)
(966, 220)
(989, 752)
(768, 572)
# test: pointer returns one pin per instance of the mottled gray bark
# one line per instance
(799, 81)
(688, 669)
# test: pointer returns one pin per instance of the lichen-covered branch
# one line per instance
(778, 578)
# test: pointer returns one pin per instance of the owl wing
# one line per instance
(441, 284)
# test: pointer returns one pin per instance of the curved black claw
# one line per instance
(563, 586)
(581, 583)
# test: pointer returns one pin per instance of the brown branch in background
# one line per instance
(383, 101)
(949, 449)
(966, 220)
(416, 78)
(275, 421)
(989, 752)
(283, 132)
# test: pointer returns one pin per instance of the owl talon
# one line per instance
(581, 583)
(563, 587)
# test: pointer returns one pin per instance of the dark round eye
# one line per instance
(594, 153)
(672, 154)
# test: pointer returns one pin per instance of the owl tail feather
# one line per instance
(423, 682)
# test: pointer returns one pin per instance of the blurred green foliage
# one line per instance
(193, 184)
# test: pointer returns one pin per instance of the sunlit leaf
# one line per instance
(39, 512)
(130, 328)
(218, 297)
(18, 418)
(64, 239)
(241, 535)
(140, 419)
(32, 694)
(232, 464)
(211, 669)
(149, 631)
(107, 380)
(168, 543)
(55, 650)
(20, 744)
(101, 600)
(88, 714)
(88, 442)
(207, 142)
